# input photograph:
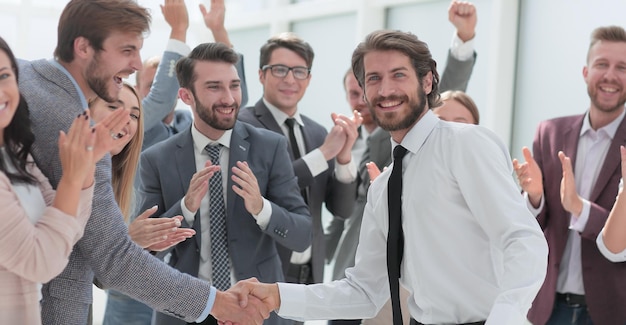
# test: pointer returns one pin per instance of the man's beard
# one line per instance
(593, 94)
(390, 123)
(211, 119)
(97, 83)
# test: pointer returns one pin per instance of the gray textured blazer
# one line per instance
(455, 77)
(105, 250)
(324, 188)
(165, 171)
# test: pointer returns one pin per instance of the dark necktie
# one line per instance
(395, 238)
(295, 150)
(291, 122)
(220, 262)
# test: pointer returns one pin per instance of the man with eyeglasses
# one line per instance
(322, 160)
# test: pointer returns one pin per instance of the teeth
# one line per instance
(225, 110)
(3, 106)
(609, 89)
(389, 104)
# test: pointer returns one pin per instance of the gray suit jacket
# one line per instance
(166, 170)
(342, 243)
(324, 188)
(105, 250)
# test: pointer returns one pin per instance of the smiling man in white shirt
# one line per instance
(472, 252)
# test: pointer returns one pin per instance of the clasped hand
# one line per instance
(247, 302)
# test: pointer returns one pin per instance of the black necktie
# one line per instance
(395, 238)
(291, 122)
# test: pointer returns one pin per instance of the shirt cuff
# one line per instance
(188, 215)
(460, 50)
(209, 305)
(579, 223)
(346, 173)
(263, 218)
(291, 300)
(176, 46)
(613, 257)
(531, 208)
(316, 162)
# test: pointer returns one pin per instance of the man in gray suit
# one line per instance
(374, 145)
(91, 58)
(262, 198)
(285, 66)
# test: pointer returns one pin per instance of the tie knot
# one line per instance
(399, 152)
(290, 122)
(214, 151)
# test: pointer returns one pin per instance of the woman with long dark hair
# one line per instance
(38, 225)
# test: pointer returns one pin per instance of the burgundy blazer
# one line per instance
(604, 281)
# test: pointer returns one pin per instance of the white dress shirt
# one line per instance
(472, 249)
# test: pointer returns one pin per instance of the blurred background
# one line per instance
(529, 65)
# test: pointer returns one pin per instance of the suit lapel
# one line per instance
(238, 151)
(266, 118)
(186, 167)
(611, 162)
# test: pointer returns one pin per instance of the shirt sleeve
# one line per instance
(578, 223)
(263, 218)
(460, 50)
(316, 162)
(613, 257)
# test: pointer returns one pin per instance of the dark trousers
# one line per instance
(570, 309)
(299, 273)
(414, 322)
(345, 322)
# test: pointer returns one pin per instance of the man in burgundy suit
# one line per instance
(581, 286)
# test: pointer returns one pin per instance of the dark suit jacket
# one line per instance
(604, 281)
(166, 169)
(324, 188)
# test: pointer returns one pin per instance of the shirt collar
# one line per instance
(83, 100)
(280, 116)
(610, 129)
(417, 135)
(200, 141)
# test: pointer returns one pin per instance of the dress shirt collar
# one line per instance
(610, 129)
(417, 135)
(83, 100)
(200, 141)
(280, 116)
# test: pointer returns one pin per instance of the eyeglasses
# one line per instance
(281, 71)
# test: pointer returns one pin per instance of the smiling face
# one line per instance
(118, 59)
(605, 75)
(396, 98)
(285, 92)
(215, 97)
(9, 93)
(127, 101)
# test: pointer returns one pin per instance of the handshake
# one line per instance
(247, 302)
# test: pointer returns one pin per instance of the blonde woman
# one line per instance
(154, 234)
